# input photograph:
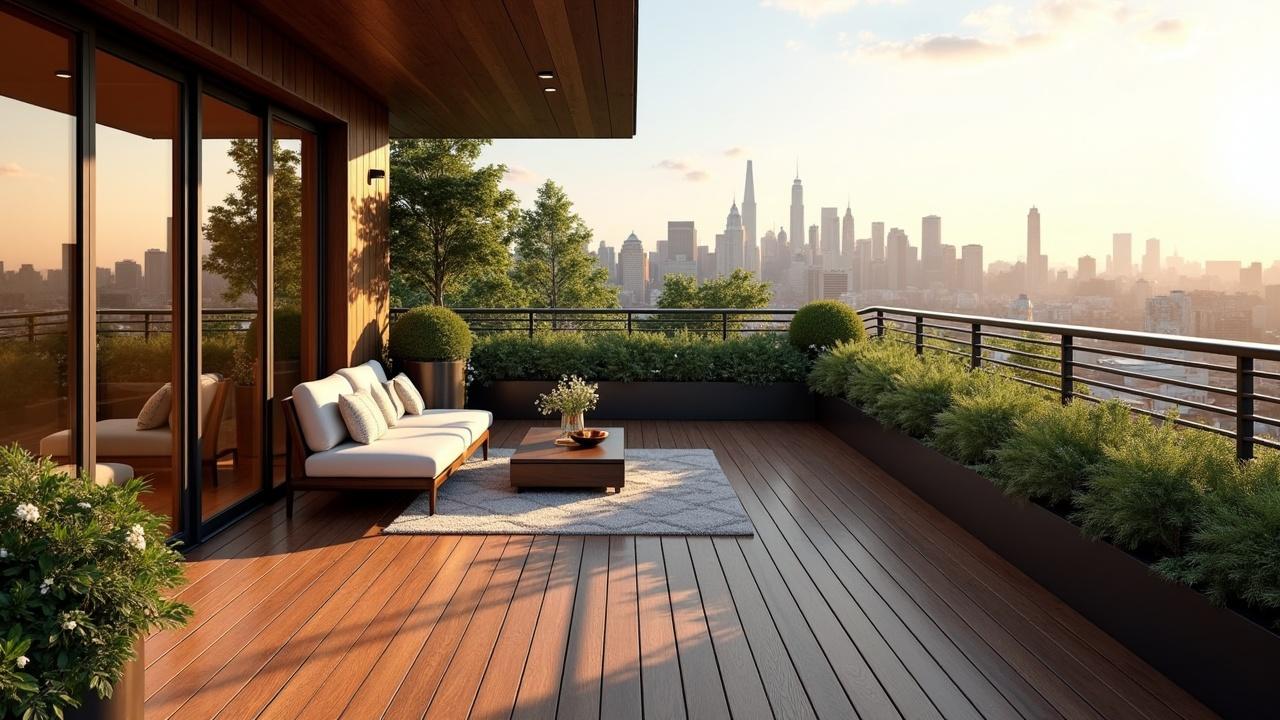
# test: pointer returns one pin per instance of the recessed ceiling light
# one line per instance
(548, 89)
(64, 74)
(546, 74)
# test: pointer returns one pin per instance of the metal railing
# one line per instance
(711, 321)
(1221, 386)
(146, 323)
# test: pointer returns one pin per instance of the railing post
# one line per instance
(1066, 367)
(724, 325)
(880, 323)
(975, 345)
(1244, 407)
(146, 326)
(919, 334)
(530, 323)
(628, 322)
(31, 328)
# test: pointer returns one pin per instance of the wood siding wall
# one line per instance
(232, 40)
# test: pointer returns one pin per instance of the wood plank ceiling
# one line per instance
(470, 69)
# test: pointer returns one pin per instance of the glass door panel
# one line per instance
(295, 230)
(231, 271)
(138, 185)
(37, 235)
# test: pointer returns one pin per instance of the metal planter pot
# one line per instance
(443, 383)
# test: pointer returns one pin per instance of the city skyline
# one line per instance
(1114, 116)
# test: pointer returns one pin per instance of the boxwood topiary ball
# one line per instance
(824, 323)
(429, 334)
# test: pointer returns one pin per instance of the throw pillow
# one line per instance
(409, 395)
(361, 417)
(155, 413)
(383, 401)
(390, 387)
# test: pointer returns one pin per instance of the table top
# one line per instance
(539, 446)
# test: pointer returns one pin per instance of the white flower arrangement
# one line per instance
(27, 513)
(571, 396)
(137, 537)
(46, 585)
(22, 661)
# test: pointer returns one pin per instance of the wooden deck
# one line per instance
(854, 599)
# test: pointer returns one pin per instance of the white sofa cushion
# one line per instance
(103, 473)
(409, 395)
(404, 452)
(115, 436)
(471, 423)
(316, 404)
(362, 417)
(363, 376)
(396, 402)
(382, 401)
(155, 413)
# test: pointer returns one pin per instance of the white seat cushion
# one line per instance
(116, 436)
(472, 422)
(362, 376)
(103, 473)
(316, 403)
(403, 452)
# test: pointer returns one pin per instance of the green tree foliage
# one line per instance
(553, 266)
(232, 227)
(449, 223)
(739, 290)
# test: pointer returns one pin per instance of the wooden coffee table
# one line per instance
(540, 463)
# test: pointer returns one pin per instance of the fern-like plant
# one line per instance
(1048, 456)
(876, 364)
(983, 415)
(832, 370)
(920, 392)
(1152, 483)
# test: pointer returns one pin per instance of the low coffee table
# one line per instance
(540, 463)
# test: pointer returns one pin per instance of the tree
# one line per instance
(553, 266)
(234, 236)
(738, 290)
(449, 220)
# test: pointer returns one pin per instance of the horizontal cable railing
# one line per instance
(1222, 386)
(709, 321)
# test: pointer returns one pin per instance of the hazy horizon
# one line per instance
(1155, 119)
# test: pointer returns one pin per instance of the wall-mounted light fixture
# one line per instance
(64, 74)
(377, 174)
(546, 74)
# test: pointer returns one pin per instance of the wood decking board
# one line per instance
(853, 599)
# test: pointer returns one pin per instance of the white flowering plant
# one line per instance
(84, 570)
(571, 396)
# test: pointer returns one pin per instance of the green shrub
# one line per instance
(287, 329)
(681, 357)
(86, 572)
(1234, 550)
(134, 358)
(876, 366)
(833, 370)
(983, 415)
(1151, 484)
(1048, 456)
(430, 333)
(920, 392)
(823, 324)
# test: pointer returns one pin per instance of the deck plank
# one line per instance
(853, 598)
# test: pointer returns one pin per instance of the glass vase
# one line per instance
(571, 423)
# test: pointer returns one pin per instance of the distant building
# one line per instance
(971, 269)
(633, 269)
(751, 248)
(797, 213)
(847, 245)
(931, 249)
(1021, 308)
(730, 245)
(1151, 258)
(1122, 254)
(898, 259)
(1168, 314)
(877, 241)
(829, 243)
(1226, 272)
(1251, 278)
(682, 240)
(607, 258)
(128, 276)
(1037, 263)
(1086, 268)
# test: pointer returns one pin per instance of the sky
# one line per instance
(1161, 119)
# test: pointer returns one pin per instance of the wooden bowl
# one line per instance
(588, 437)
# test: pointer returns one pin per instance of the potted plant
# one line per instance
(85, 568)
(572, 397)
(431, 344)
(822, 324)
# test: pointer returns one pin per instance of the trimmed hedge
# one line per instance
(429, 334)
(681, 357)
(824, 324)
(1174, 495)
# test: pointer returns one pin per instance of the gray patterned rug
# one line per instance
(668, 492)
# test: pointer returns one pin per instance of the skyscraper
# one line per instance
(829, 220)
(751, 248)
(796, 233)
(1086, 268)
(1122, 254)
(877, 241)
(607, 258)
(931, 248)
(847, 246)
(898, 259)
(730, 244)
(682, 238)
(812, 252)
(971, 269)
(1151, 259)
(1034, 279)
(633, 273)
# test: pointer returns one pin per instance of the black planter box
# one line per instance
(1226, 660)
(514, 399)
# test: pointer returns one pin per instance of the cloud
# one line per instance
(520, 174)
(697, 176)
(735, 151)
(672, 165)
(1170, 30)
(684, 167)
(811, 8)
(793, 45)
(12, 169)
(936, 47)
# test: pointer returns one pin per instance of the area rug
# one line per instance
(667, 492)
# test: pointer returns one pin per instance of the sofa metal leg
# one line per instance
(485, 448)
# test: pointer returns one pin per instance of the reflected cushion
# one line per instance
(155, 413)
